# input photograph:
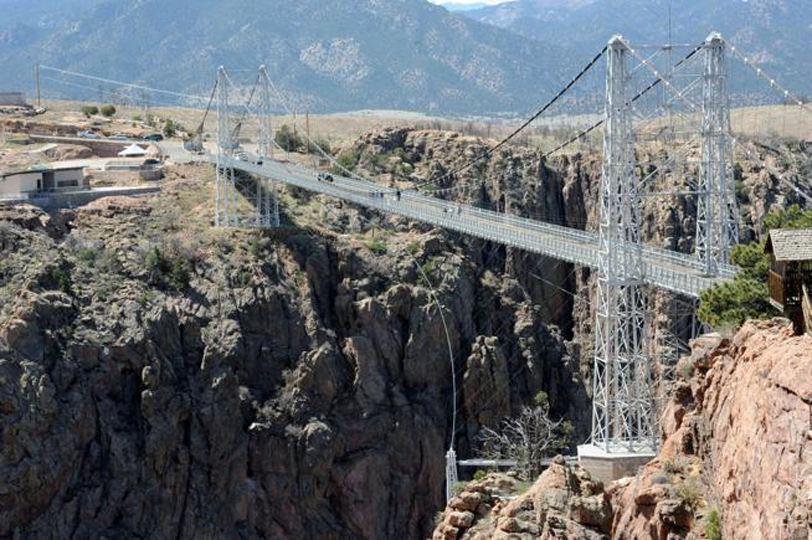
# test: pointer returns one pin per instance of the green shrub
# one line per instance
(179, 273)
(347, 161)
(154, 262)
(57, 277)
(108, 111)
(480, 474)
(324, 144)
(431, 269)
(522, 487)
(734, 302)
(108, 262)
(288, 139)
(169, 128)
(689, 491)
(746, 297)
(673, 465)
(377, 246)
(87, 255)
(90, 110)
(174, 272)
(713, 525)
(685, 369)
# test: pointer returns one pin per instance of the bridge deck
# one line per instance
(664, 269)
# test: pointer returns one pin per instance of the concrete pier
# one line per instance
(608, 467)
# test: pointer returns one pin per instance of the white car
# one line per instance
(88, 135)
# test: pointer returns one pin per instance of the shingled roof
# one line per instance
(790, 244)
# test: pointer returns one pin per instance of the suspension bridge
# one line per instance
(623, 415)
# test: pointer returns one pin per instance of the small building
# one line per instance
(132, 151)
(25, 184)
(790, 278)
(12, 99)
(18, 185)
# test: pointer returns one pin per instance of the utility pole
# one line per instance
(311, 146)
(623, 415)
(295, 133)
(36, 77)
(717, 229)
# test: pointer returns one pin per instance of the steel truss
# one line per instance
(623, 415)
(717, 228)
(242, 199)
(268, 212)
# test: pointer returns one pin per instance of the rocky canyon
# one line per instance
(160, 378)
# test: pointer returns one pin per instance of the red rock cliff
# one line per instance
(738, 443)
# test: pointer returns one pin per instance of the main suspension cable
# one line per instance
(522, 127)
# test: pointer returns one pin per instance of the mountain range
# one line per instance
(375, 54)
(775, 33)
(336, 55)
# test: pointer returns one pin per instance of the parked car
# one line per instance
(118, 137)
(88, 135)
(152, 161)
(153, 137)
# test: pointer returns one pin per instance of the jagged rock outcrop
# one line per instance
(563, 503)
(164, 379)
(738, 444)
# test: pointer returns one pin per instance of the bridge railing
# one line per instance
(668, 270)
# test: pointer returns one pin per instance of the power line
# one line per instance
(521, 128)
(122, 83)
(572, 140)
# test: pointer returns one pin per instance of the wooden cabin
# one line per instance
(790, 278)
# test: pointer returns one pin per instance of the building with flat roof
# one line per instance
(25, 184)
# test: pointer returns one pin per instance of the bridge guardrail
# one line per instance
(579, 247)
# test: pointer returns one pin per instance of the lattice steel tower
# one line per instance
(224, 184)
(717, 228)
(623, 418)
(267, 191)
(242, 199)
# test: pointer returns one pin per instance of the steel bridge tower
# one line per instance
(267, 192)
(623, 415)
(224, 182)
(717, 228)
(241, 200)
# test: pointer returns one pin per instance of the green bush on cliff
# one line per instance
(174, 272)
(713, 526)
(746, 297)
